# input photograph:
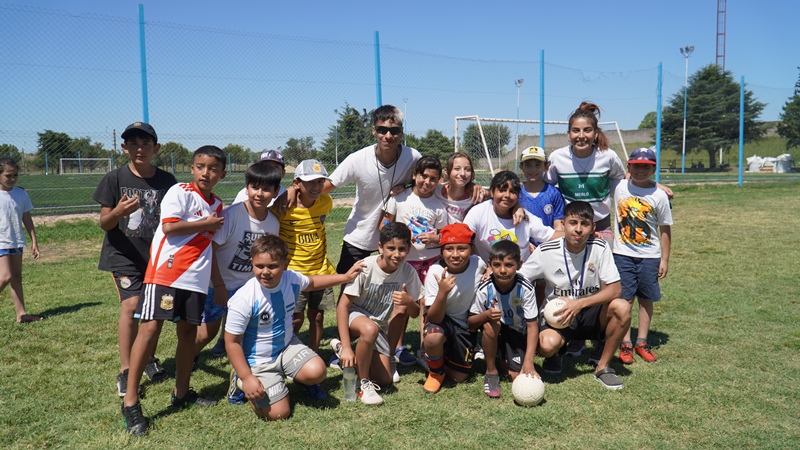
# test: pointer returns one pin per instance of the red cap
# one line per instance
(456, 233)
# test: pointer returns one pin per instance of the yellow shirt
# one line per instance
(303, 230)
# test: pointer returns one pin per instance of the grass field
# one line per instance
(726, 335)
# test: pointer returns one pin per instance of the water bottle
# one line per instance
(349, 384)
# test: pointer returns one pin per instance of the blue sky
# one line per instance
(623, 41)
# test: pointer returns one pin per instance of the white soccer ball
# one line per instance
(527, 390)
(551, 307)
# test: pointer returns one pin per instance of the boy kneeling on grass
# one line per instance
(505, 308)
(259, 337)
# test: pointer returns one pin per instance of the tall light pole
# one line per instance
(685, 51)
(518, 83)
(405, 114)
(336, 121)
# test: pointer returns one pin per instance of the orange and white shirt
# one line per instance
(184, 261)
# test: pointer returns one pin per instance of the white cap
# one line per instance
(310, 169)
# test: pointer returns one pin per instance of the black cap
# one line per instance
(141, 126)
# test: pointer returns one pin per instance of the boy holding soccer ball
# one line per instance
(580, 269)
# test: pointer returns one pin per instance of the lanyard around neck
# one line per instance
(583, 266)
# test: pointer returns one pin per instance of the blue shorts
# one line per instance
(11, 251)
(639, 277)
(214, 312)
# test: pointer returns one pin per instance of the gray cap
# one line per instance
(310, 169)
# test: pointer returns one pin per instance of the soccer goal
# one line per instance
(73, 166)
(495, 144)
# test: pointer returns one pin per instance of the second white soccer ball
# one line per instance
(527, 390)
(550, 308)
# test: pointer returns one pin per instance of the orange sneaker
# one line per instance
(433, 383)
(626, 353)
(644, 351)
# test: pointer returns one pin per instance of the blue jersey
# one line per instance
(264, 316)
(548, 205)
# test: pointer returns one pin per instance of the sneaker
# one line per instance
(135, 422)
(155, 371)
(314, 391)
(597, 353)
(433, 383)
(645, 352)
(552, 364)
(626, 353)
(336, 345)
(575, 348)
(218, 350)
(191, 398)
(404, 357)
(235, 394)
(608, 378)
(421, 359)
(491, 385)
(393, 370)
(369, 393)
(478, 352)
(122, 384)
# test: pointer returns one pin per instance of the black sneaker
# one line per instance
(552, 364)
(155, 371)
(122, 384)
(597, 353)
(191, 398)
(575, 348)
(135, 422)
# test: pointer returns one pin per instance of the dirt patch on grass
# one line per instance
(52, 220)
(68, 250)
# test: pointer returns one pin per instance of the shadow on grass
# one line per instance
(68, 309)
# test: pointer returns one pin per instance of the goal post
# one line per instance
(84, 165)
(559, 136)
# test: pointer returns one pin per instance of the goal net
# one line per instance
(495, 144)
(84, 165)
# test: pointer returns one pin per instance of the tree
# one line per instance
(497, 136)
(297, 150)
(11, 151)
(649, 120)
(238, 155)
(354, 131)
(169, 152)
(789, 127)
(434, 143)
(51, 145)
(712, 116)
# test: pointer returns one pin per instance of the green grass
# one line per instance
(726, 335)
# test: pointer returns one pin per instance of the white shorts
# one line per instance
(273, 374)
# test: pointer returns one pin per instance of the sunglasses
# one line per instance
(394, 130)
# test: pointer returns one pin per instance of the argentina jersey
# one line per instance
(518, 305)
(264, 316)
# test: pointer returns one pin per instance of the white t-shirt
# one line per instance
(183, 261)
(373, 289)
(235, 238)
(263, 317)
(460, 298)
(590, 179)
(577, 278)
(518, 304)
(456, 209)
(640, 212)
(242, 196)
(13, 204)
(421, 215)
(489, 229)
(373, 183)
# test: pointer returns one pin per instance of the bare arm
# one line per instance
(606, 293)
(182, 227)
(220, 290)
(347, 357)
(110, 216)
(666, 243)
(318, 282)
(251, 385)
(530, 349)
(27, 221)
(436, 311)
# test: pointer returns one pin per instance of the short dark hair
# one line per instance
(139, 134)
(427, 162)
(388, 113)
(504, 177)
(212, 151)
(501, 249)
(272, 245)
(8, 162)
(581, 209)
(395, 230)
(263, 174)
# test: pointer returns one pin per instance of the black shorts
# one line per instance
(166, 303)
(586, 325)
(458, 346)
(511, 346)
(349, 257)
(128, 286)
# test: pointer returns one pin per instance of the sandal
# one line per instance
(608, 378)
(28, 318)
